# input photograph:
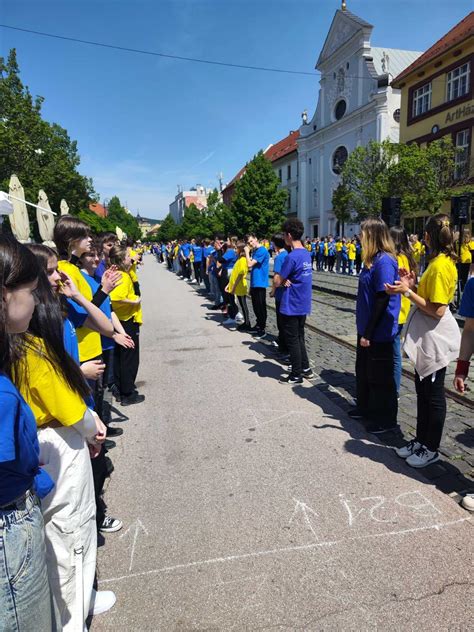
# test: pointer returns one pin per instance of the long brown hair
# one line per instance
(117, 256)
(375, 238)
(402, 247)
(441, 237)
(68, 230)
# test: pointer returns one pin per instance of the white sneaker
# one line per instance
(468, 502)
(239, 318)
(101, 601)
(407, 450)
(422, 457)
(193, 281)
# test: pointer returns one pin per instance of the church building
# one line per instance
(356, 104)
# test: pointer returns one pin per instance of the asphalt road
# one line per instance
(249, 505)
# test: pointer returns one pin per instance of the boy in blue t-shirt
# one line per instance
(295, 278)
(259, 268)
(281, 254)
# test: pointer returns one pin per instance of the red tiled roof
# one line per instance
(98, 209)
(282, 148)
(457, 34)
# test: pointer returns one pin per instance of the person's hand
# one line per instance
(94, 450)
(101, 430)
(226, 289)
(124, 340)
(364, 342)
(110, 279)
(398, 287)
(67, 287)
(287, 283)
(408, 277)
(92, 369)
(459, 384)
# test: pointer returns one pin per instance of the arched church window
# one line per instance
(339, 157)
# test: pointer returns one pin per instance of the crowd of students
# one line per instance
(406, 288)
(69, 334)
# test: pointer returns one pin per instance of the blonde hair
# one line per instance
(441, 236)
(375, 238)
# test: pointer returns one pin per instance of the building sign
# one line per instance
(459, 113)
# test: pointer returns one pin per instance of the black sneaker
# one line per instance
(110, 525)
(378, 429)
(260, 334)
(114, 432)
(355, 413)
(109, 444)
(214, 307)
(135, 398)
(291, 379)
(243, 327)
(308, 374)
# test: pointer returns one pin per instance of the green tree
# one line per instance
(258, 205)
(118, 216)
(214, 218)
(168, 230)
(41, 154)
(342, 205)
(192, 225)
(97, 224)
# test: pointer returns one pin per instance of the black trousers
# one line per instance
(205, 278)
(259, 304)
(245, 310)
(293, 330)
(331, 260)
(375, 383)
(186, 269)
(282, 346)
(126, 361)
(197, 271)
(430, 409)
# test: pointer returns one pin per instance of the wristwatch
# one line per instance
(407, 293)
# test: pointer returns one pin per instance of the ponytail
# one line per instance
(441, 236)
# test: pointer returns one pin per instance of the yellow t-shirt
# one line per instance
(240, 267)
(438, 282)
(338, 246)
(124, 290)
(133, 268)
(466, 254)
(403, 262)
(89, 342)
(46, 391)
(417, 246)
(351, 251)
(326, 248)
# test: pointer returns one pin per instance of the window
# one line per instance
(279, 174)
(458, 82)
(288, 172)
(340, 109)
(289, 199)
(339, 157)
(422, 100)
(461, 159)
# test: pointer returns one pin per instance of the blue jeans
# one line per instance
(397, 359)
(25, 601)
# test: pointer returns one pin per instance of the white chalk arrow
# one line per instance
(305, 510)
(136, 527)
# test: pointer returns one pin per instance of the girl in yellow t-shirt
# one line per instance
(238, 284)
(406, 262)
(464, 264)
(434, 329)
(127, 306)
(68, 434)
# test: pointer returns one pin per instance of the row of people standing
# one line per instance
(62, 329)
(335, 254)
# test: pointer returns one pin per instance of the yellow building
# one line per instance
(437, 96)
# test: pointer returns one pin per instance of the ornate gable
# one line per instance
(343, 28)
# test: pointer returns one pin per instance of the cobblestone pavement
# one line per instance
(334, 366)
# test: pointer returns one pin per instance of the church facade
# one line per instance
(356, 104)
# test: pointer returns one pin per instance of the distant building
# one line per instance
(284, 159)
(197, 195)
(437, 98)
(98, 209)
(356, 104)
(146, 224)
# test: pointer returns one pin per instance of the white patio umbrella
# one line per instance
(119, 232)
(64, 207)
(45, 219)
(19, 220)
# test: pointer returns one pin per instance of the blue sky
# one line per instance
(145, 124)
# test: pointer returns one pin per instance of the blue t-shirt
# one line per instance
(296, 299)
(466, 308)
(371, 281)
(344, 254)
(277, 265)
(105, 308)
(207, 251)
(229, 259)
(185, 249)
(313, 247)
(70, 339)
(19, 447)
(321, 247)
(331, 249)
(197, 252)
(259, 272)
(100, 271)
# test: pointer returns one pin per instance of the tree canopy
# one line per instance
(258, 205)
